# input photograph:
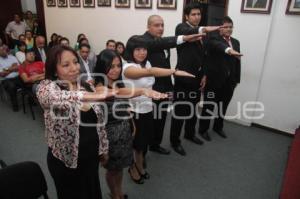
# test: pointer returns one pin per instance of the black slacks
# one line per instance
(184, 111)
(11, 86)
(215, 98)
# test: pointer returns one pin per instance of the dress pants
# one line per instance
(185, 106)
(215, 98)
(11, 86)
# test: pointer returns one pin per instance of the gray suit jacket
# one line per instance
(83, 70)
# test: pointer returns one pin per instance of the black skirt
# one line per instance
(82, 182)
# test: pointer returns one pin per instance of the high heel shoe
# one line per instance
(137, 181)
(145, 175)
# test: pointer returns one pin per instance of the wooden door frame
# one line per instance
(40, 11)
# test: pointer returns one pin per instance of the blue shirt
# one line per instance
(8, 62)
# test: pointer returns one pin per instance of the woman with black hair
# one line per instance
(119, 125)
(120, 48)
(139, 73)
(79, 37)
(76, 138)
(54, 40)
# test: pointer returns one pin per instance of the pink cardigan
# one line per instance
(62, 133)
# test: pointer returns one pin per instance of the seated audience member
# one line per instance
(21, 39)
(20, 55)
(92, 55)
(37, 29)
(29, 20)
(15, 28)
(64, 41)
(86, 66)
(40, 49)
(111, 44)
(79, 37)
(29, 39)
(53, 41)
(120, 49)
(31, 72)
(8, 71)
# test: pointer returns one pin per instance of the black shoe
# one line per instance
(195, 140)
(205, 136)
(220, 133)
(145, 175)
(179, 149)
(137, 181)
(159, 149)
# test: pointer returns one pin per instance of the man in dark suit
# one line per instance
(159, 56)
(40, 49)
(86, 66)
(223, 74)
(190, 56)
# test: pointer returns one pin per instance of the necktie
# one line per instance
(43, 55)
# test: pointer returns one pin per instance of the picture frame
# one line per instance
(104, 3)
(167, 4)
(74, 3)
(143, 4)
(256, 6)
(122, 3)
(293, 7)
(88, 3)
(62, 3)
(51, 3)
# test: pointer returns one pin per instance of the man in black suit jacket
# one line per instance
(223, 73)
(159, 56)
(40, 49)
(190, 56)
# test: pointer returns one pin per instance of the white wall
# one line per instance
(28, 5)
(270, 66)
(102, 23)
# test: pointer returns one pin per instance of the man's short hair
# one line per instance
(189, 7)
(109, 41)
(227, 19)
(84, 45)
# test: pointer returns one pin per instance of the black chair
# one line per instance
(27, 95)
(22, 181)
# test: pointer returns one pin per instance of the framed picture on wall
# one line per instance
(62, 3)
(74, 3)
(143, 4)
(167, 4)
(88, 3)
(104, 3)
(293, 7)
(51, 3)
(256, 6)
(122, 3)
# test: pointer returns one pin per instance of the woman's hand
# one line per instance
(106, 93)
(183, 73)
(154, 94)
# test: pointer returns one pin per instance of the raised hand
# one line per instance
(154, 94)
(183, 73)
(106, 93)
(234, 53)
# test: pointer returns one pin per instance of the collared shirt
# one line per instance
(87, 68)
(8, 62)
(43, 54)
(16, 29)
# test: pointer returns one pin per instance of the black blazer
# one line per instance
(222, 67)
(37, 53)
(190, 58)
(158, 58)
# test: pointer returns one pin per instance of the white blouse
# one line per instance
(140, 104)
